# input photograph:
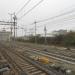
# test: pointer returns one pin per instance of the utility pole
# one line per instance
(16, 26)
(15, 18)
(25, 30)
(11, 16)
(31, 31)
(16, 29)
(45, 31)
(11, 23)
(22, 31)
(35, 32)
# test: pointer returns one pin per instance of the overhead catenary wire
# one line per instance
(62, 20)
(47, 23)
(31, 9)
(5, 22)
(47, 18)
(23, 6)
(58, 23)
(54, 17)
(51, 21)
(51, 18)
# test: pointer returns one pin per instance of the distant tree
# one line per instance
(59, 39)
(69, 39)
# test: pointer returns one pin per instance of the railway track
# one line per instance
(56, 56)
(26, 66)
(11, 61)
(64, 53)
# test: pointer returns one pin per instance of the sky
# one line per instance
(46, 9)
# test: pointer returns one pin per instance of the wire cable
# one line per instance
(31, 9)
(64, 19)
(63, 14)
(52, 18)
(24, 6)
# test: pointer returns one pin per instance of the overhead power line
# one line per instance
(23, 6)
(52, 18)
(31, 9)
(48, 20)
(5, 22)
(63, 14)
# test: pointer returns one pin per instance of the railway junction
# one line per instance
(41, 43)
(26, 60)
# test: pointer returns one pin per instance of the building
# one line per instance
(54, 33)
(5, 35)
(59, 32)
(47, 35)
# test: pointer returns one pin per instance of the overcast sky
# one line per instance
(46, 9)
